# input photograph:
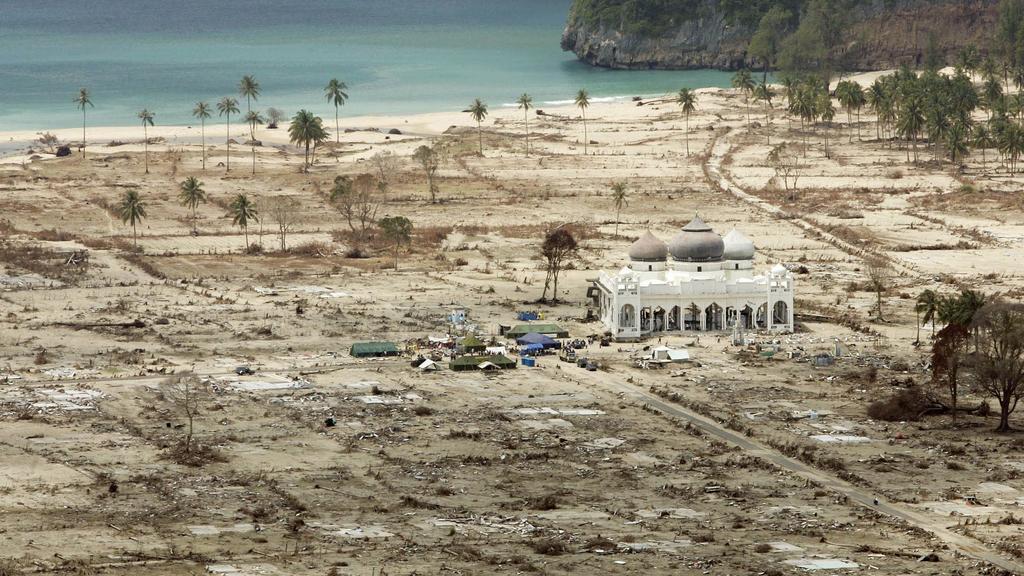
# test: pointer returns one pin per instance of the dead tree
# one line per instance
(558, 248)
(879, 273)
(284, 212)
(186, 393)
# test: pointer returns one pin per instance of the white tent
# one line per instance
(496, 350)
(666, 354)
(429, 365)
(488, 366)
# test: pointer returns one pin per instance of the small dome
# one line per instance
(648, 249)
(697, 242)
(738, 246)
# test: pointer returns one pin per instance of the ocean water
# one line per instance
(397, 57)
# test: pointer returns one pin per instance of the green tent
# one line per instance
(464, 363)
(374, 349)
(472, 344)
(552, 330)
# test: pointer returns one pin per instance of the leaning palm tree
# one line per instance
(132, 211)
(249, 89)
(927, 305)
(147, 120)
(744, 82)
(83, 101)
(478, 111)
(335, 92)
(202, 111)
(253, 118)
(242, 212)
(191, 194)
(619, 200)
(687, 100)
(583, 102)
(306, 130)
(764, 93)
(525, 102)
(226, 107)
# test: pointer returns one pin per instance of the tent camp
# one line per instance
(535, 338)
(471, 344)
(374, 349)
(464, 363)
(552, 330)
(429, 365)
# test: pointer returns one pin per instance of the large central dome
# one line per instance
(697, 242)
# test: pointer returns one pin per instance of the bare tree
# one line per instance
(385, 163)
(358, 201)
(998, 365)
(186, 392)
(879, 273)
(284, 212)
(429, 158)
(786, 163)
(558, 248)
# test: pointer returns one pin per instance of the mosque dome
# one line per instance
(697, 242)
(648, 248)
(738, 246)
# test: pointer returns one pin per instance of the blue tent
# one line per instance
(532, 348)
(534, 338)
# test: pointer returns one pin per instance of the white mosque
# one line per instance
(699, 281)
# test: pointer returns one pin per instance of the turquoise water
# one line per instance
(397, 56)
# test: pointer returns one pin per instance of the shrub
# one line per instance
(905, 405)
(549, 546)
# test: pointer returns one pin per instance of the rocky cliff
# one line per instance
(883, 34)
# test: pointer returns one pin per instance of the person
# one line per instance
(876, 501)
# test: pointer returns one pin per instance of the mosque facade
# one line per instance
(698, 282)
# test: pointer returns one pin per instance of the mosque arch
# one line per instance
(627, 316)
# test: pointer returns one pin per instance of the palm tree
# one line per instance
(335, 92)
(226, 107)
(191, 194)
(909, 122)
(687, 100)
(619, 200)
(583, 102)
(764, 93)
(478, 111)
(132, 210)
(927, 304)
(956, 141)
(243, 211)
(254, 118)
(744, 82)
(83, 101)
(249, 88)
(306, 130)
(147, 120)
(202, 111)
(981, 138)
(846, 92)
(525, 102)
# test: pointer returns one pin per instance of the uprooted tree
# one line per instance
(558, 249)
(358, 201)
(998, 364)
